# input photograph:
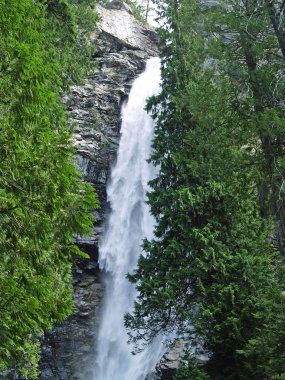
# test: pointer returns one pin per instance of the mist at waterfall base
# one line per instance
(129, 222)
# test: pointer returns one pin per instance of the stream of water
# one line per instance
(128, 223)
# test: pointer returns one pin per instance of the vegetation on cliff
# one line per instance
(139, 9)
(44, 202)
(214, 271)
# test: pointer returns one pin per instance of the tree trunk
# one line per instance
(277, 26)
(276, 200)
(147, 10)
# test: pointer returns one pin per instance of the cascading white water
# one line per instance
(129, 222)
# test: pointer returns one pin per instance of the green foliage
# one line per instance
(44, 202)
(138, 10)
(213, 271)
(191, 371)
(68, 23)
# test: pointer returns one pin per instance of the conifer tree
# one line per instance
(213, 272)
(44, 201)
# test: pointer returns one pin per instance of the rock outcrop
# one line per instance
(122, 46)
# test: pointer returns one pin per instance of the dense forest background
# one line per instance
(214, 272)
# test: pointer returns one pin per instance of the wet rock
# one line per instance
(174, 356)
(118, 4)
(68, 349)
(167, 374)
(123, 45)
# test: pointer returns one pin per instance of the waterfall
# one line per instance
(129, 222)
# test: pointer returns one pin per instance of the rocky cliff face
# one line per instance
(122, 46)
